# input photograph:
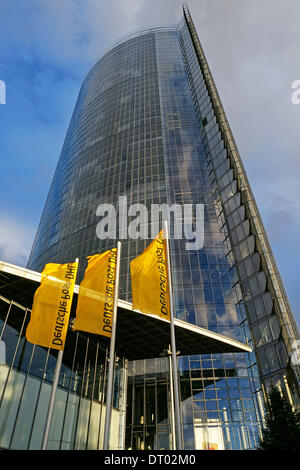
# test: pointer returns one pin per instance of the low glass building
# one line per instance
(149, 127)
(26, 376)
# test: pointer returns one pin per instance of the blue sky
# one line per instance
(48, 46)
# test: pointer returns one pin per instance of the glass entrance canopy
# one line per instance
(139, 336)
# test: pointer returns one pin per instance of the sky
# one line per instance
(48, 46)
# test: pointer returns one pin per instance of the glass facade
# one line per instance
(148, 124)
(265, 307)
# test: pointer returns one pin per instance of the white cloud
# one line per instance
(16, 239)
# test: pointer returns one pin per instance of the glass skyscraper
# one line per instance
(149, 125)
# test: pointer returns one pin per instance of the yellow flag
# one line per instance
(96, 295)
(149, 280)
(51, 306)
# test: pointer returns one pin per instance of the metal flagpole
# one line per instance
(52, 398)
(111, 356)
(173, 346)
(172, 399)
(53, 393)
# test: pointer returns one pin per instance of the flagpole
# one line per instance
(112, 356)
(172, 399)
(173, 346)
(52, 398)
(53, 393)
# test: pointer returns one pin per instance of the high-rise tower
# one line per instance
(149, 125)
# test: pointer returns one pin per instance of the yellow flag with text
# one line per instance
(149, 280)
(96, 295)
(51, 306)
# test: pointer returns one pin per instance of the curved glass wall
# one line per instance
(113, 148)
